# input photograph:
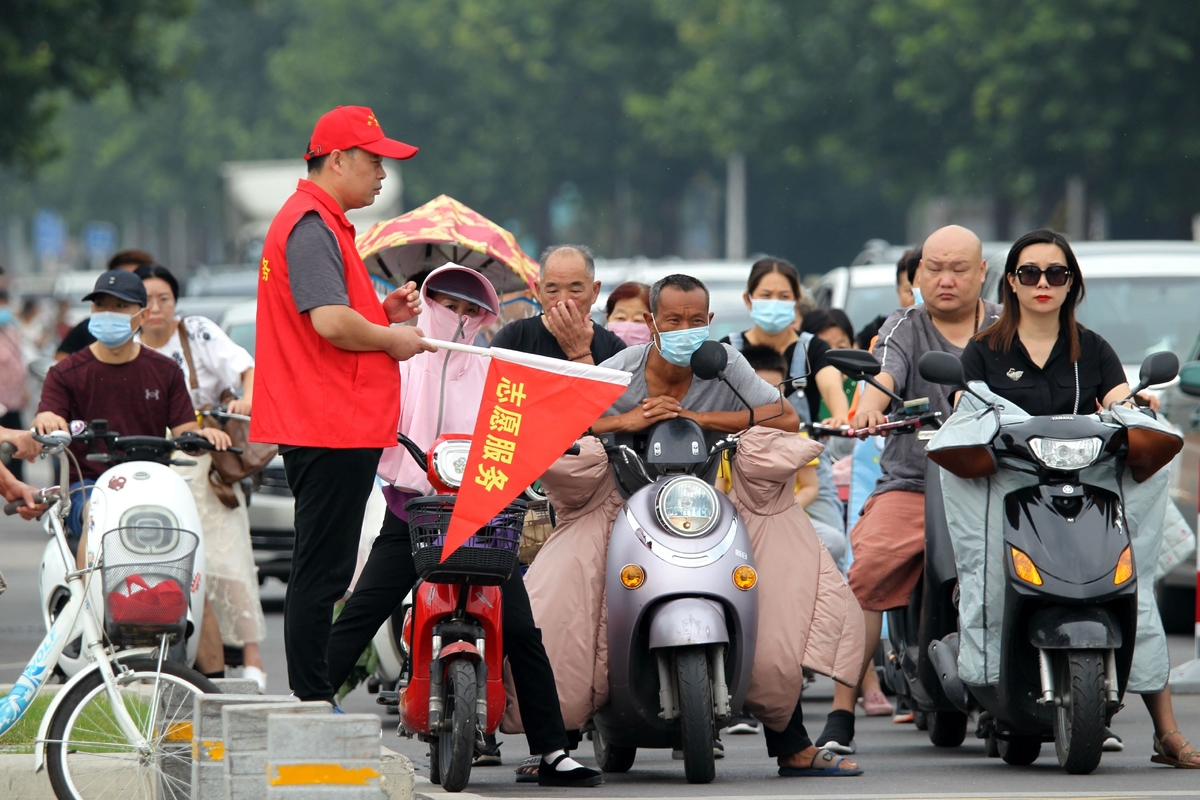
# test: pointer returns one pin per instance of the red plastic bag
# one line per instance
(164, 603)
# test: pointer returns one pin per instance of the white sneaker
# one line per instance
(257, 675)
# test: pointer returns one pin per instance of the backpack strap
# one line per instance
(799, 366)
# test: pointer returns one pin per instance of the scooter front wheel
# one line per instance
(1079, 717)
(947, 728)
(696, 714)
(456, 744)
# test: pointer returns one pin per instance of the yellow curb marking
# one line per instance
(178, 732)
(216, 750)
(330, 774)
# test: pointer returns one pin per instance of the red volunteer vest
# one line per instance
(307, 392)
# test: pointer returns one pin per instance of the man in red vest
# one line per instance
(327, 389)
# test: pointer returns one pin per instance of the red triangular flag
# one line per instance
(533, 409)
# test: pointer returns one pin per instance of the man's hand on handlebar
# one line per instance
(218, 438)
(651, 410)
(25, 446)
(835, 422)
(238, 406)
(870, 420)
(14, 490)
(48, 421)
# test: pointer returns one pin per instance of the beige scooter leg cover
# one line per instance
(815, 621)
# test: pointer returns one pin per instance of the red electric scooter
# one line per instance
(452, 689)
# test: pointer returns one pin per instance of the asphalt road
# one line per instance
(898, 759)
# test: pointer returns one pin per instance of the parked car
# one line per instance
(272, 508)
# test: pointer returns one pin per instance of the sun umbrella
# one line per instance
(444, 231)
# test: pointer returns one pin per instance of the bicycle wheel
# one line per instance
(90, 759)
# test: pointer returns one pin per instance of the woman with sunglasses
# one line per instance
(1038, 357)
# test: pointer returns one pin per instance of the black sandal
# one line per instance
(548, 775)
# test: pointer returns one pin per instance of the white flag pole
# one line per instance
(460, 347)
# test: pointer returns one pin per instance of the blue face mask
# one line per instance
(917, 299)
(6, 316)
(111, 328)
(677, 346)
(772, 316)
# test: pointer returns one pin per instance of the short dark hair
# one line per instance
(820, 319)
(908, 263)
(147, 271)
(131, 256)
(684, 283)
(763, 356)
(627, 291)
(317, 163)
(589, 260)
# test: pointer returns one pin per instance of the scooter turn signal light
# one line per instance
(744, 577)
(1025, 569)
(632, 576)
(1124, 567)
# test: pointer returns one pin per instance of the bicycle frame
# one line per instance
(41, 666)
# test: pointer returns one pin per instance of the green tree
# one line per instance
(80, 47)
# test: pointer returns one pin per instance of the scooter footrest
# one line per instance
(386, 698)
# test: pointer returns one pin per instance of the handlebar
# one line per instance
(7, 449)
(221, 414)
(48, 495)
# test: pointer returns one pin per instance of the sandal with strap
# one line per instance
(1187, 758)
(825, 764)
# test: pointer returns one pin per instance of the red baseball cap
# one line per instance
(354, 126)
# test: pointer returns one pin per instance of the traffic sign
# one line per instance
(99, 240)
(49, 234)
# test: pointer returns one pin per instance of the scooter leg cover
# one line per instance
(815, 621)
(566, 584)
(975, 513)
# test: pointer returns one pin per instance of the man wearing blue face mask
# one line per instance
(139, 392)
(662, 385)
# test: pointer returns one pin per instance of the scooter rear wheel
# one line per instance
(611, 757)
(947, 728)
(456, 746)
(696, 714)
(1020, 751)
(1079, 717)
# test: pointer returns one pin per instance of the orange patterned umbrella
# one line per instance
(444, 231)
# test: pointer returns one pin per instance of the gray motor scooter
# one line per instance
(681, 593)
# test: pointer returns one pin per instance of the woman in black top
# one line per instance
(772, 292)
(1040, 358)
(1036, 354)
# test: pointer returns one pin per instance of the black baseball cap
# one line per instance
(121, 284)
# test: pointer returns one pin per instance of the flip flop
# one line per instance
(831, 769)
(528, 776)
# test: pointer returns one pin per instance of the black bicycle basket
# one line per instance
(487, 558)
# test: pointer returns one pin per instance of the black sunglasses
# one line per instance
(1055, 276)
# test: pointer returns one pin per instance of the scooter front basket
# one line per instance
(487, 558)
(147, 575)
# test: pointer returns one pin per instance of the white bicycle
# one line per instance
(122, 727)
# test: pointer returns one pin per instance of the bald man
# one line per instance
(889, 539)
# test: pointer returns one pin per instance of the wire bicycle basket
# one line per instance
(147, 573)
(487, 558)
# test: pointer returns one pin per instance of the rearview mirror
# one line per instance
(939, 367)
(709, 360)
(1161, 367)
(854, 364)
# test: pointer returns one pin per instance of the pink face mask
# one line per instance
(631, 332)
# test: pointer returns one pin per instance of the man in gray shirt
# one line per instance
(889, 539)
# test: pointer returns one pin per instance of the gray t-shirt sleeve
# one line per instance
(895, 345)
(314, 262)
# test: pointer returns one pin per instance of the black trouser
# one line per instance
(388, 577)
(12, 421)
(791, 739)
(331, 488)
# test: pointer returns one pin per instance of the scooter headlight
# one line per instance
(687, 507)
(450, 461)
(149, 530)
(1068, 454)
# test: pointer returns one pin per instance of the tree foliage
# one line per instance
(80, 47)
